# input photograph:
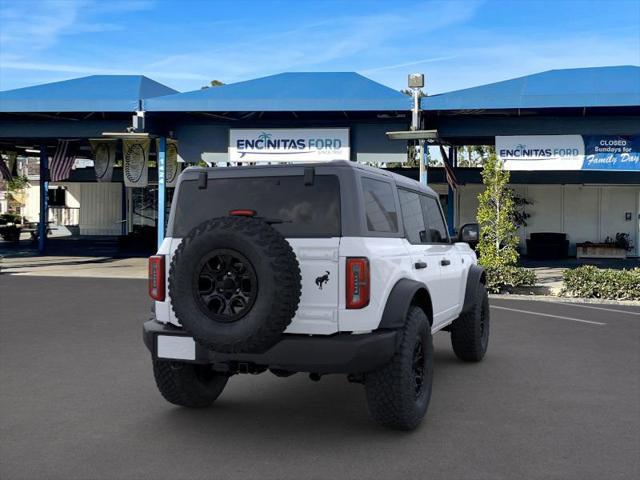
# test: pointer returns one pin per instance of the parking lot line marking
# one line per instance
(530, 312)
(570, 304)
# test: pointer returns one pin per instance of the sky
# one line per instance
(185, 44)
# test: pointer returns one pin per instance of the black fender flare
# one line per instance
(475, 276)
(400, 299)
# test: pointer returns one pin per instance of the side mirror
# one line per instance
(469, 233)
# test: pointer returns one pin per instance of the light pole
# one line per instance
(416, 83)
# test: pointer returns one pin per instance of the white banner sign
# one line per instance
(104, 156)
(172, 166)
(136, 162)
(541, 152)
(289, 145)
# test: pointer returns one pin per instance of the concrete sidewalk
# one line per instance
(549, 279)
(68, 266)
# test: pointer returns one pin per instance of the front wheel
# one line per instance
(398, 394)
(187, 384)
(470, 331)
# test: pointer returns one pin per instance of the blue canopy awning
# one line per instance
(288, 92)
(577, 87)
(96, 93)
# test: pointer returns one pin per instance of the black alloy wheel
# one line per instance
(226, 285)
(418, 368)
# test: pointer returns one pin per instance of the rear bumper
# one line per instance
(340, 353)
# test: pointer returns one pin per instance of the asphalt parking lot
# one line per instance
(558, 396)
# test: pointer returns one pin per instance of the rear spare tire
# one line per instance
(235, 284)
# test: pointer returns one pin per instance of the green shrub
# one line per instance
(503, 277)
(592, 282)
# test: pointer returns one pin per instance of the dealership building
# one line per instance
(571, 139)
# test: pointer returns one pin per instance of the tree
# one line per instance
(496, 213)
(15, 194)
(474, 155)
(213, 83)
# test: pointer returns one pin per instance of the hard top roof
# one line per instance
(298, 168)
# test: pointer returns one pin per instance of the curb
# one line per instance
(533, 290)
(555, 299)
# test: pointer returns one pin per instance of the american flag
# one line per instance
(448, 170)
(62, 161)
(4, 170)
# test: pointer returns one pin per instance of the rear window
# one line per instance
(305, 210)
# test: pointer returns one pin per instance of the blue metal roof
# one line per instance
(577, 87)
(96, 93)
(307, 91)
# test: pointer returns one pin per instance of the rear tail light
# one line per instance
(156, 277)
(358, 282)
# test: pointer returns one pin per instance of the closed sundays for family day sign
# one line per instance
(289, 145)
(569, 152)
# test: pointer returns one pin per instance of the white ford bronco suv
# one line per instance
(320, 268)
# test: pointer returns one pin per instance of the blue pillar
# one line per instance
(453, 160)
(162, 190)
(44, 199)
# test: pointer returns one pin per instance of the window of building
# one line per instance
(412, 217)
(436, 226)
(380, 206)
(57, 197)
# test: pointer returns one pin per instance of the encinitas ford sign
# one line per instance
(541, 152)
(569, 152)
(289, 145)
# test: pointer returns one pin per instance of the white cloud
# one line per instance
(408, 64)
(313, 46)
(89, 70)
(31, 27)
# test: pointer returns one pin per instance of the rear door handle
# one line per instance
(445, 262)
(419, 265)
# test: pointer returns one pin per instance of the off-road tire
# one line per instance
(188, 384)
(470, 331)
(277, 275)
(391, 391)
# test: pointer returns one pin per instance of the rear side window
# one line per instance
(436, 228)
(380, 206)
(303, 210)
(412, 217)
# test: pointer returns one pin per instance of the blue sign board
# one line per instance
(611, 152)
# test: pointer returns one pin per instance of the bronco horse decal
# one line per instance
(321, 280)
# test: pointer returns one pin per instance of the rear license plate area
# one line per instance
(175, 347)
